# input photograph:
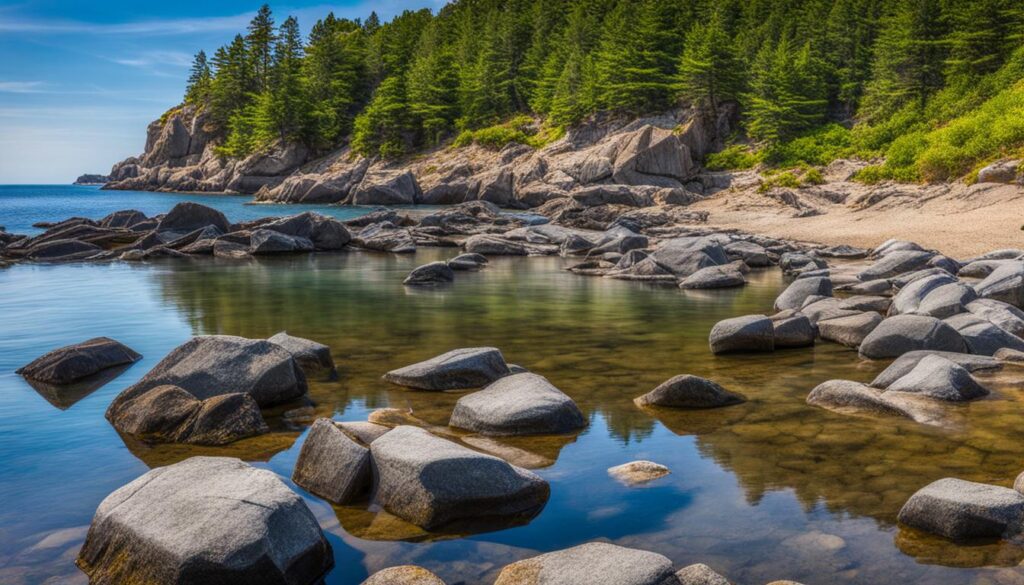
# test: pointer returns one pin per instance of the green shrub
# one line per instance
(520, 129)
(818, 147)
(785, 179)
(733, 158)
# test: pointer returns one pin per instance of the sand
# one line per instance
(957, 220)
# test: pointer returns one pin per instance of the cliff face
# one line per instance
(641, 160)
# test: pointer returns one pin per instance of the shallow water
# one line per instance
(769, 489)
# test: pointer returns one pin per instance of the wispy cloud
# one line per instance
(155, 59)
(21, 86)
(170, 26)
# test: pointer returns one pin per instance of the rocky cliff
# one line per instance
(89, 179)
(611, 160)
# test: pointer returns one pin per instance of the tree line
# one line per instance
(792, 65)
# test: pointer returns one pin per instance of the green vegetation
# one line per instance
(932, 86)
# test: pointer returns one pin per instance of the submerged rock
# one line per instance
(204, 520)
(747, 333)
(689, 392)
(638, 472)
(81, 360)
(454, 370)
(332, 465)
(404, 575)
(518, 404)
(430, 274)
(937, 377)
(434, 483)
(849, 397)
(313, 357)
(963, 510)
(908, 361)
(168, 414)
(588, 564)
(467, 262)
(699, 574)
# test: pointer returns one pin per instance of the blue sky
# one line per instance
(80, 80)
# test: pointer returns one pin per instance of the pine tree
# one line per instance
(709, 71)
(284, 113)
(574, 95)
(787, 92)
(199, 80)
(260, 42)
(909, 59)
(976, 43)
(335, 76)
(382, 128)
(232, 86)
(433, 84)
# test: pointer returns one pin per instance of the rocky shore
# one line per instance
(951, 325)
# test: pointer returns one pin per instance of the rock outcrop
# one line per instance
(454, 370)
(70, 364)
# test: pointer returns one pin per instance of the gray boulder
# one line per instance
(588, 564)
(326, 233)
(684, 256)
(819, 309)
(215, 365)
(386, 187)
(799, 290)
(385, 237)
(188, 216)
(62, 250)
(896, 262)
(332, 465)
(364, 432)
(962, 510)
(1005, 283)
(205, 520)
(897, 335)
(454, 370)
(908, 361)
(519, 404)
(947, 300)
(311, 356)
(265, 241)
(936, 377)
(981, 336)
(910, 296)
(849, 330)
(747, 333)
(81, 360)
(431, 274)
(754, 255)
(792, 329)
(1000, 314)
(435, 483)
(1004, 171)
(169, 414)
(727, 276)
(689, 392)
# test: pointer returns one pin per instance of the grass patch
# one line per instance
(733, 158)
(520, 129)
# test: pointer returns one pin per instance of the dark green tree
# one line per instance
(199, 80)
(710, 71)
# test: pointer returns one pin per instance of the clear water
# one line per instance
(769, 489)
(21, 206)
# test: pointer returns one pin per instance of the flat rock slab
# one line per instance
(963, 510)
(908, 361)
(519, 404)
(727, 276)
(689, 392)
(848, 397)
(850, 330)
(589, 564)
(404, 575)
(455, 370)
(332, 465)
(751, 333)
(69, 364)
(638, 472)
(434, 483)
(205, 520)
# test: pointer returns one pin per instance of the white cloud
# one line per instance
(172, 26)
(21, 86)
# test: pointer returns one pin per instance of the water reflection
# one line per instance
(768, 489)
